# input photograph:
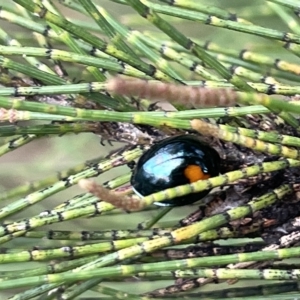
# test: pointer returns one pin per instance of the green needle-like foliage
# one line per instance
(78, 76)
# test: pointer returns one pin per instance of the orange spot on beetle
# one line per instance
(194, 173)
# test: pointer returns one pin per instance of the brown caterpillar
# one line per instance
(118, 200)
(190, 96)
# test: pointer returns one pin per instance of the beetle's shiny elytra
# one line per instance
(172, 162)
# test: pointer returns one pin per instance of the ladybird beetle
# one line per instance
(172, 162)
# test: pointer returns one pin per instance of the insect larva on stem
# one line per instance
(190, 96)
(116, 199)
